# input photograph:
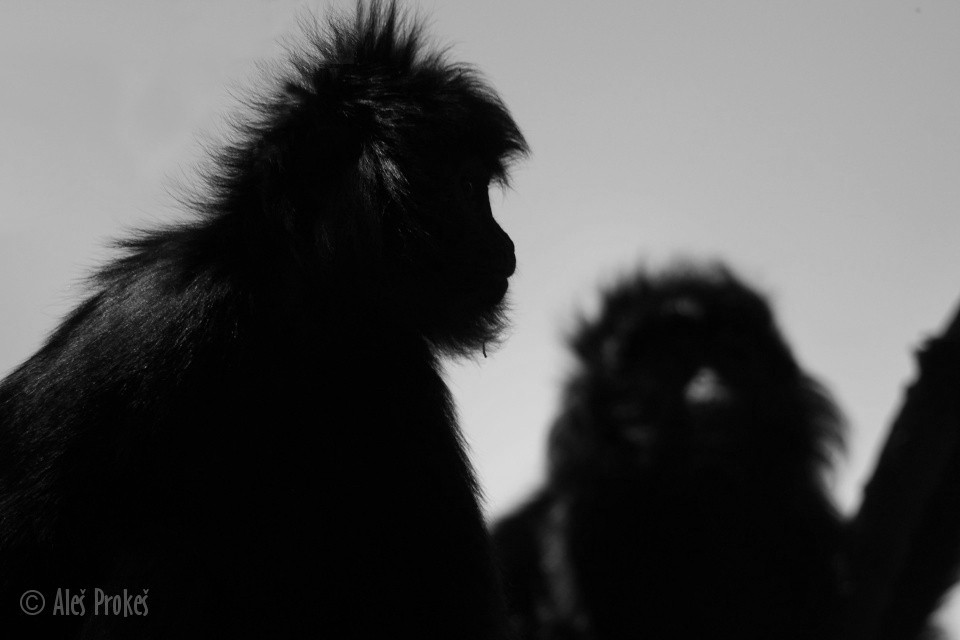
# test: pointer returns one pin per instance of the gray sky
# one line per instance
(814, 146)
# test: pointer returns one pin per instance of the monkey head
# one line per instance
(372, 162)
(684, 376)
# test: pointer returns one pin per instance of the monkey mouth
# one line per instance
(493, 291)
(502, 265)
(640, 435)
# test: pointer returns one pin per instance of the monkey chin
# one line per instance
(479, 297)
(471, 322)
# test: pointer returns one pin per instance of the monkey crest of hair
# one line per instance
(684, 496)
(244, 423)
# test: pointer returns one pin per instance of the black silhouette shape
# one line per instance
(245, 417)
(685, 493)
(902, 548)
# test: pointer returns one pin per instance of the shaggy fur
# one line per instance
(685, 495)
(246, 416)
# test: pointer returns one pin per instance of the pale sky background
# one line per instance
(814, 146)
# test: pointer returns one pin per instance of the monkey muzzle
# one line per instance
(706, 390)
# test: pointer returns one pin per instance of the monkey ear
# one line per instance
(357, 215)
(321, 190)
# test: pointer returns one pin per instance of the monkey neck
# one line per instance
(276, 294)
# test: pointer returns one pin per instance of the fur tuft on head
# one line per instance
(365, 114)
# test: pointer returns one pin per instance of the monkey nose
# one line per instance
(706, 387)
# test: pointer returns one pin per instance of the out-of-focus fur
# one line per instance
(684, 496)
